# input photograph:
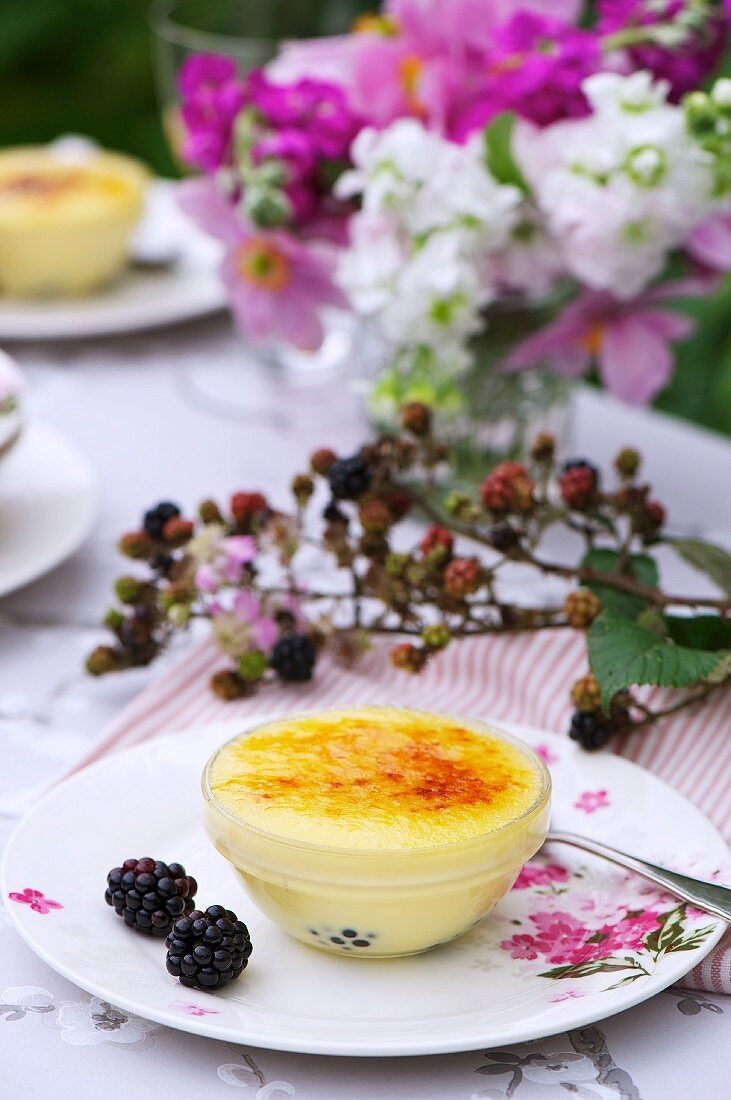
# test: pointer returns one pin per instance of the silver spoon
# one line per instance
(708, 896)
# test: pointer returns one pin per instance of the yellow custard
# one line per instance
(374, 779)
(376, 831)
(65, 219)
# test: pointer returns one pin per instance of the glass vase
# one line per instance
(486, 414)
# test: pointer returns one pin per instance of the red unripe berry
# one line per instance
(509, 488)
(462, 577)
(321, 460)
(247, 506)
(177, 531)
(408, 657)
(440, 539)
(578, 486)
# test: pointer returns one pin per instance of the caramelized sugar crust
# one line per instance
(374, 777)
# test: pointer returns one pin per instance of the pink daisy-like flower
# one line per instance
(36, 899)
(277, 283)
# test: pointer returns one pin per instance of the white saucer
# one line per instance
(48, 501)
(143, 297)
(469, 994)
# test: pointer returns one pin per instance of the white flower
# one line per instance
(93, 1021)
(368, 268)
(529, 264)
(437, 297)
(429, 183)
(622, 188)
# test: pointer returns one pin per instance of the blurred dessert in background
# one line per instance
(67, 211)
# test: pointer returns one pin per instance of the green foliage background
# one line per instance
(85, 66)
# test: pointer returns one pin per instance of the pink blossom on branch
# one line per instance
(277, 283)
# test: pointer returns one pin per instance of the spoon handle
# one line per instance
(708, 896)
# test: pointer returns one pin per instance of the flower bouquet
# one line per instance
(496, 186)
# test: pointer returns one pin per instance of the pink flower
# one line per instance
(684, 67)
(630, 341)
(590, 801)
(521, 946)
(533, 874)
(36, 899)
(212, 97)
(277, 283)
(193, 1010)
(263, 630)
(567, 995)
(226, 567)
(535, 67)
(629, 934)
(710, 243)
(546, 753)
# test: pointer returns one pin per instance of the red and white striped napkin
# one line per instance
(518, 678)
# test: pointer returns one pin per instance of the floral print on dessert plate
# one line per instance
(576, 939)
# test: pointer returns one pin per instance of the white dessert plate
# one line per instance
(143, 297)
(576, 941)
(48, 501)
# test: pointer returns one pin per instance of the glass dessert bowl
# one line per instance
(67, 212)
(376, 831)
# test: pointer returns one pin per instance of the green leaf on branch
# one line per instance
(712, 560)
(623, 653)
(640, 567)
(499, 152)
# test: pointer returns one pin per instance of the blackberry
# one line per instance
(588, 730)
(156, 518)
(293, 658)
(349, 478)
(207, 950)
(333, 514)
(149, 894)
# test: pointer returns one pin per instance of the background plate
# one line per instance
(487, 989)
(143, 297)
(48, 502)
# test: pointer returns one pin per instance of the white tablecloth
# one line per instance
(182, 414)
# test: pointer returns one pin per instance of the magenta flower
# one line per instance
(629, 934)
(628, 341)
(684, 67)
(533, 874)
(535, 67)
(211, 98)
(277, 283)
(36, 899)
(192, 1009)
(591, 801)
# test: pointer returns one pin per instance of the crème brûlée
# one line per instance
(65, 218)
(376, 831)
(385, 780)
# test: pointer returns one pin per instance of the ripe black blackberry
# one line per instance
(149, 895)
(588, 730)
(156, 518)
(349, 478)
(293, 658)
(208, 950)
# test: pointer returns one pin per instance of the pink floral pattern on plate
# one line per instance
(36, 899)
(193, 1010)
(590, 801)
(625, 931)
(546, 753)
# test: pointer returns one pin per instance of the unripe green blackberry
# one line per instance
(581, 608)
